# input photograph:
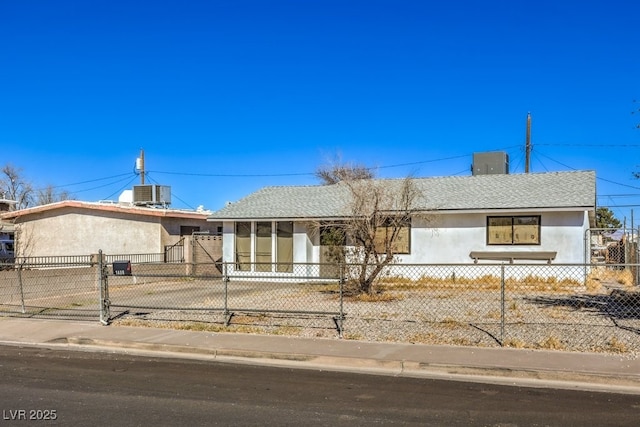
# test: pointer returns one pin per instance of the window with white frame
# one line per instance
(265, 254)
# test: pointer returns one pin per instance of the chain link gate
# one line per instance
(611, 246)
(57, 287)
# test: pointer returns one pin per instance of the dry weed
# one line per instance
(482, 283)
(542, 283)
(189, 326)
(625, 278)
(551, 343)
(558, 313)
(377, 297)
(448, 322)
(287, 330)
(614, 345)
(423, 338)
(353, 336)
(514, 343)
(607, 275)
(494, 314)
(462, 341)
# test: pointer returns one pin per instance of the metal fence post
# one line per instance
(341, 315)
(21, 287)
(193, 256)
(502, 304)
(225, 282)
(105, 312)
(636, 259)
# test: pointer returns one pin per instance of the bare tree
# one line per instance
(50, 195)
(335, 172)
(375, 228)
(15, 187)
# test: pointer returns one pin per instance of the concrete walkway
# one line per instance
(531, 368)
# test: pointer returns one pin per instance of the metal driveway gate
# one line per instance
(211, 291)
(61, 287)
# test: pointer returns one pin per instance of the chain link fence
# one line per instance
(571, 307)
(582, 307)
(57, 287)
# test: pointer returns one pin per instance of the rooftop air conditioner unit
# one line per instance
(490, 163)
(151, 195)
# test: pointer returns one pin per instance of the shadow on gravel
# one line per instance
(617, 305)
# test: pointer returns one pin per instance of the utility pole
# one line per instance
(141, 167)
(527, 157)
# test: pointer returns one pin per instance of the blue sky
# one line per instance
(226, 97)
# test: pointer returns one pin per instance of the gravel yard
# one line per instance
(542, 308)
(570, 320)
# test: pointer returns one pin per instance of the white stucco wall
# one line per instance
(303, 246)
(449, 238)
(228, 241)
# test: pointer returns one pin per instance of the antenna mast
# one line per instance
(527, 160)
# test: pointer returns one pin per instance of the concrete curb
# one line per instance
(527, 368)
(557, 379)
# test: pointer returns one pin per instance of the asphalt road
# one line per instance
(41, 386)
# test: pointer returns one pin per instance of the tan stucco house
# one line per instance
(80, 228)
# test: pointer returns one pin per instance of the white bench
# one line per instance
(513, 255)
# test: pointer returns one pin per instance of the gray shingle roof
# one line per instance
(563, 190)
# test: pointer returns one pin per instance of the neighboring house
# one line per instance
(81, 228)
(7, 231)
(537, 217)
(6, 204)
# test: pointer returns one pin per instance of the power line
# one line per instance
(263, 175)
(619, 183)
(537, 155)
(419, 163)
(121, 188)
(587, 145)
(89, 181)
(106, 185)
(172, 193)
(223, 175)
(558, 162)
(599, 178)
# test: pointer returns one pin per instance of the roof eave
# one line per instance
(419, 211)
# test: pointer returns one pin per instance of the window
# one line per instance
(243, 246)
(263, 246)
(401, 244)
(516, 230)
(187, 230)
(284, 246)
(265, 252)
